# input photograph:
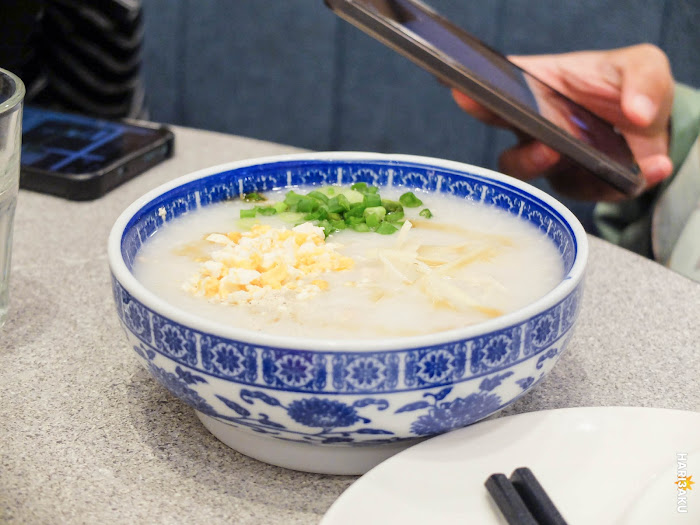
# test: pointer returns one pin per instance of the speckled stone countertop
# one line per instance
(86, 436)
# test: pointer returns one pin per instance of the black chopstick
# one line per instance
(509, 501)
(522, 500)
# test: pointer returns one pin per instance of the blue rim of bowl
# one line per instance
(158, 196)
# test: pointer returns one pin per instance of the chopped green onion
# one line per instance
(319, 214)
(307, 204)
(394, 216)
(280, 207)
(318, 196)
(391, 205)
(265, 210)
(409, 200)
(344, 202)
(361, 227)
(353, 196)
(327, 227)
(334, 205)
(371, 200)
(292, 198)
(359, 207)
(359, 186)
(373, 216)
(356, 210)
(386, 229)
(352, 220)
(253, 196)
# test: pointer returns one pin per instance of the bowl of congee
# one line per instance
(324, 311)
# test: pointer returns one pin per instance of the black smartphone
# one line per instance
(82, 158)
(462, 61)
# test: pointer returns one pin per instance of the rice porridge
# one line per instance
(341, 263)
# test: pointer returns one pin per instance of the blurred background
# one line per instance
(291, 71)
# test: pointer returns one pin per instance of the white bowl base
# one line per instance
(320, 459)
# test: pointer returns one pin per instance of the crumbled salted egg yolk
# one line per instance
(247, 266)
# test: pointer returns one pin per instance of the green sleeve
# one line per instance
(628, 223)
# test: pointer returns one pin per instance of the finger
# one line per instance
(655, 169)
(646, 85)
(476, 110)
(651, 154)
(528, 160)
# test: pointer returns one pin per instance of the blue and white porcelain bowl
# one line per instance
(343, 406)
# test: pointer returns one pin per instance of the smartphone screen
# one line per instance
(422, 35)
(76, 144)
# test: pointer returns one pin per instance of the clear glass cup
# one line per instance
(11, 99)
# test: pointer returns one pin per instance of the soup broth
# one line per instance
(466, 264)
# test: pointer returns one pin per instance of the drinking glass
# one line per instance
(11, 98)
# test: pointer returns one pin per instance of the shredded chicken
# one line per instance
(433, 268)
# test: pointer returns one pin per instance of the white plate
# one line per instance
(599, 465)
